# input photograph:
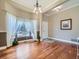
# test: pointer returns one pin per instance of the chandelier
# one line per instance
(37, 8)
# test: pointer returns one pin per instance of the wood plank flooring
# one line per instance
(42, 50)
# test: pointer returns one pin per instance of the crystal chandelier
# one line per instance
(37, 8)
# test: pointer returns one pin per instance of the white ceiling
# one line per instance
(29, 4)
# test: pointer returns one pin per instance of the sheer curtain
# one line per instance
(30, 27)
(23, 27)
(11, 28)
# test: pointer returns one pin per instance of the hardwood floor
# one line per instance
(42, 50)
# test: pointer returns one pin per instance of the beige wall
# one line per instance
(2, 21)
(2, 4)
(54, 24)
(2, 16)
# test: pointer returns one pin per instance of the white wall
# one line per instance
(54, 24)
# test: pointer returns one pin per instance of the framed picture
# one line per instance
(66, 24)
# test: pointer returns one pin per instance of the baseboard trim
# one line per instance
(29, 40)
(64, 41)
(2, 48)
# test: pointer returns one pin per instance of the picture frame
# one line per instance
(66, 24)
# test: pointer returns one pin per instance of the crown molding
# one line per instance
(52, 4)
(63, 9)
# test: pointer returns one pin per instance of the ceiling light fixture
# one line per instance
(37, 8)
